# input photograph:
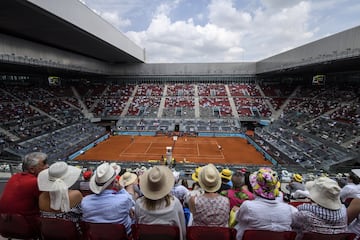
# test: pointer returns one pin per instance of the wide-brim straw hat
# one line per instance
(60, 170)
(209, 178)
(103, 177)
(127, 178)
(157, 182)
(325, 192)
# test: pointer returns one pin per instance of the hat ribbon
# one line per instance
(59, 197)
(103, 183)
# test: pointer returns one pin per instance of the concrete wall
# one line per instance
(241, 68)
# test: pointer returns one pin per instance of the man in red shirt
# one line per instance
(21, 193)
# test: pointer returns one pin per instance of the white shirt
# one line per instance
(265, 214)
(350, 190)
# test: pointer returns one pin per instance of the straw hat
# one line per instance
(297, 177)
(265, 183)
(209, 178)
(103, 177)
(226, 174)
(195, 175)
(48, 179)
(325, 192)
(127, 178)
(157, 182)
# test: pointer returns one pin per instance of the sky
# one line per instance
(203, 31)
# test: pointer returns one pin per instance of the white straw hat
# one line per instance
(57, 171)
(209, 178)
(103, 177)
(127, 178)
(325, 192)
(156, 182)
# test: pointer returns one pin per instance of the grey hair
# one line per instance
(32, 159)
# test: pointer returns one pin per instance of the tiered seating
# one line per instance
(238, 89)
(150, 90)
(212, 89)
(179, 89)
(143, 106)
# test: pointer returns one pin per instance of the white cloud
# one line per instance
(224, 30)
(230, 35)
(114, 19)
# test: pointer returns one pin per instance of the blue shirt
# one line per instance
(108, 207)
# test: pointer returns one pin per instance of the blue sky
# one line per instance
(188, 31)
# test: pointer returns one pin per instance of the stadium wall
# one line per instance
(181, 69)
(21, 51)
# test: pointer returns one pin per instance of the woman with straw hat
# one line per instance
(326, 213)
(158, 206)
(56, 200)
(210, 209)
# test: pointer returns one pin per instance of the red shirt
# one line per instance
(21, 195)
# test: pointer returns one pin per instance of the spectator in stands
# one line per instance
(195, 189)
(158, 206)
(295, 184)
(226, 183)
(264, 212)
(179, 190)
(107, 205)
(210, 209)
(326, 214)
(353, 215)
(56, 200)
(128, 181)
(21, 193)
(351, 189)
(85, 184)
(239, 192)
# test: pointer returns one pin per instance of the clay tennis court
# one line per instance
(185, 150)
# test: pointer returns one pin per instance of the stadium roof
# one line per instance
(32, 20)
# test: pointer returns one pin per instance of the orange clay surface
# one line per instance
(185, 150)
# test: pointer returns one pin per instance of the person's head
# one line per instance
(209, 178)
(56, 180)
(353, 178)
(35, 162)
(238, 179)
(156, 183)
(226, 175)
(325, 192)
(103, 177)
(265, 183)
